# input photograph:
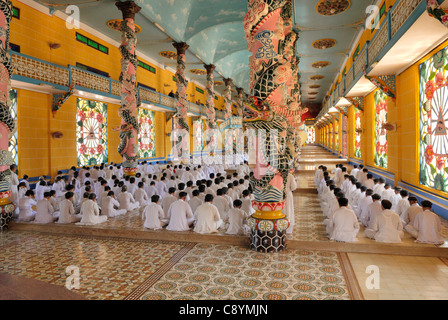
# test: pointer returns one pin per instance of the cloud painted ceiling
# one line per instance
(214, 31)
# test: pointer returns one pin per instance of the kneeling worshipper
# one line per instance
(386, 226)
(141, 196)
(26, 204)
(237, 219)
(410, 214)
(110, 206)
(44, 210)
(195, 201)
(207, 217)
(91, 212)
(153, 215)
(345, 223)
(180, 215)
(291, 185)
(126, 200)
(427, 226)
(67, 210)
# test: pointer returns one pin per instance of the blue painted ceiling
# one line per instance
(214, 31)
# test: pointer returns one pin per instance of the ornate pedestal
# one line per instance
(6, 212)
(268, 228)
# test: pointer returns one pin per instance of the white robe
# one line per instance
(345, 226)
(108, 207)
(141, 197)
(166, 203)
(91, 214)
(44, 212)
(291, 185)
(67, 212)
(386, 227)
(207, 219)
(180, 215)
(162, 189)
(194, 203)
(247, 206)
(222, 204)
(237, 219)
(127, 201)
(26, 212)
(154, 217)
(372, 211)
(428, 227)
(402, 206)
(361, 211)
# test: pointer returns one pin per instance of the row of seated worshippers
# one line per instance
(182, 205)
(385, 212)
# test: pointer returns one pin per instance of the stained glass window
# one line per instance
(380, 132)
(91, 132)
(12, 145)
(434, 122)
(344, 136)
(358, 133)
(198, 131)
(146, 136)
(336, 134)
(311, 131)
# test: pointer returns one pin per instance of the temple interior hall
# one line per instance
(224, 150)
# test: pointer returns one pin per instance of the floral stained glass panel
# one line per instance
(198, 132)
(358, 114)
(380, 133)
(12, 145)
(434, 122)
(336, 134)
(146, 136)
(311, 132)
(91, 132)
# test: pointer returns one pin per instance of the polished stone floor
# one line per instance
(115, 262)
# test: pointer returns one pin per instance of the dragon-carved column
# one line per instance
(240, 101)
(211, 139)
(268, 36)
(129, 128)
(228, 98)
(7, 126)
(181, 137)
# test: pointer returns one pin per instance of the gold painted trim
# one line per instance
(268, 215)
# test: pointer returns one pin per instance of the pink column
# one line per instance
(129, 129)
(228, 98)
(211, 138)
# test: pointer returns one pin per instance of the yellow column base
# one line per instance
(269, 215)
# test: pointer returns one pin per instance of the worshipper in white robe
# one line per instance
(376, 185)
(126, 200)
(91, 212)
(161, 187)
(369, 183)
(403, 204)
(14, 183)
(386, 226)
(291, 185)
(346, 183)
(44, 210)
(345, 226)
(354, 171)
(222, 204)
(153, 215)
(110, 206)
(333, 207)
(411, 213)
(180, 215)
(373, 210)
(351, 189)
(381, 187)
(364, 204)
(237, 220)
(26, 207)
(195, 201)
(231, 192)
(207, 217)
(103, 196)
(181, 188)
(140, 195)
(41, 188)
(247, 203)
(355, 196)
(25, 180)
(318, 175)
(67, 211)
(396, 199)
(187, 175)
(167, 201)
(388, 193)
(427, 226)
(132, 186)
(55, 200)
(227, 197)
(362, 176)
(151, 190)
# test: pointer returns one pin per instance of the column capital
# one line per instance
(210, 68)
(181, 47)
(240, 90)
(227, 82)
(128, 9)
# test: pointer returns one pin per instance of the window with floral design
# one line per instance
(344, 136)
(12, 145)
(198, 132)
(146, 136)
(311, 132)
(336, 134)
(358, 130)
(91, 132)
(434, 122)
(380, 133)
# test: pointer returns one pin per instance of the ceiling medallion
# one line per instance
(198, 71)
(317, 77)
(218, 83)
(115, 24)
(315, 86)
(313, 93)
(332, 7)
(168, 54)
(324, 44)
(320, 64)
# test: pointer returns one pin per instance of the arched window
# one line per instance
(311, 131)
(380, 133)
(91, 132)
(336, 133)
(434, 122)
(12, 145)
(358, 129)
(146, 136)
